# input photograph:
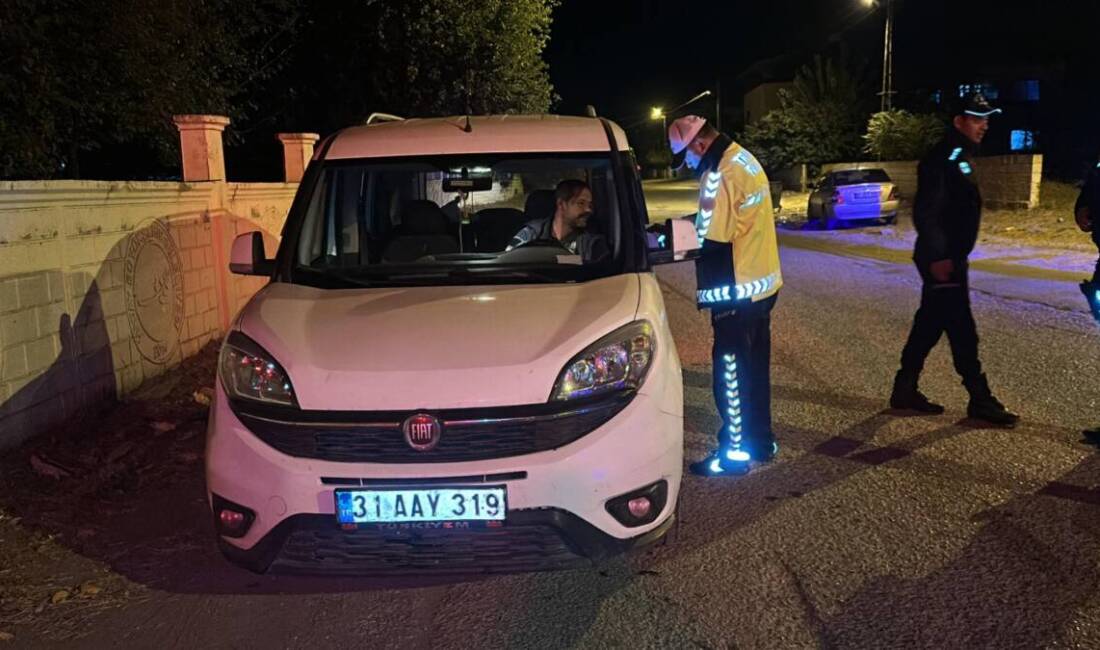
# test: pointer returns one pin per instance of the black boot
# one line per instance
(983, 406)
(906, 396)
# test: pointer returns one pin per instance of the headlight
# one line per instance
(618, 361)
(249, 372)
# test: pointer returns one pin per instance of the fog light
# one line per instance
(639, 507)
(231, 519)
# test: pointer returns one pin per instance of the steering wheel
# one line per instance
(548, 242)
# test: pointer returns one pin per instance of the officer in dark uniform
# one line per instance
(1087, 214)
(947, 214)
(1087, 211)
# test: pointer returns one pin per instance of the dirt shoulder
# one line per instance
(101, 513)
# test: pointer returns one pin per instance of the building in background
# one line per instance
(763, 99)
(1025, 94)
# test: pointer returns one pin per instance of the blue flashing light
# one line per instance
(965, 167)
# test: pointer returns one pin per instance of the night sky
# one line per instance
(625, 56)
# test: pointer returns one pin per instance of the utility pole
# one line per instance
(888, 59)
(718, 104)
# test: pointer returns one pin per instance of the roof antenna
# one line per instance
(468, 128)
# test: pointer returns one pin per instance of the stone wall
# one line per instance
(1005, 181)
(104, 285)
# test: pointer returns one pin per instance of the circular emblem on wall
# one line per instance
(154, 292)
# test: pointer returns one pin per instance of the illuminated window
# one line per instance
(989, 90)
(1021, 140)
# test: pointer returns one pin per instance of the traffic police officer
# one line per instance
(947, 214)
(1087, 214)
(738, 278)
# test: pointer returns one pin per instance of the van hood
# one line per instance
(433, 347)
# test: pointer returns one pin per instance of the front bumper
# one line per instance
(557, 501)
(532, 540)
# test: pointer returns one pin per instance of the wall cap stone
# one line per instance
(297, 138)
(211, 122)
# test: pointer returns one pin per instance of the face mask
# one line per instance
(692, 159)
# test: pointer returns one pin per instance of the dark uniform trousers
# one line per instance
(1096, 240)
(944, 308)
(742, 389)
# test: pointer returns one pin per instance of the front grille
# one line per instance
(467, 434)
(329, 550)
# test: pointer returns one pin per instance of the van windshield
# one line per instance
(471, 219)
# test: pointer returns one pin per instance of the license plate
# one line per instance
(413, 505)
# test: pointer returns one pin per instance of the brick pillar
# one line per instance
(297, 152)
(201, 146)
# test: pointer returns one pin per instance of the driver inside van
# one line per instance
(568, 226)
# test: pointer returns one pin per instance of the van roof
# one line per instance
(488, 134)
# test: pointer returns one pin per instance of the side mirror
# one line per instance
(675, 240)
(247, 255)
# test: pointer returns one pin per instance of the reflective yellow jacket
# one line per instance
(735, 207)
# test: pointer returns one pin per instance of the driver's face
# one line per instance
(577, 210)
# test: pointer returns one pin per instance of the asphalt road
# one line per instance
(869, 531)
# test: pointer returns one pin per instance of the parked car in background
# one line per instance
(853, 195)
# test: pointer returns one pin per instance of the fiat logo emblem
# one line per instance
(422, 432)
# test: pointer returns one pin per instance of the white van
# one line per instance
(417, 391)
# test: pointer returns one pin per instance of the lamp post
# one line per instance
(705, 93)
(887, 93)
(657, 113)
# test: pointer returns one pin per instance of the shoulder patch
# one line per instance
(746, 160)
(955, 153)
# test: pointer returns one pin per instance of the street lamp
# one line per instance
(887, 55)
(656, 113)
(701, 95)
